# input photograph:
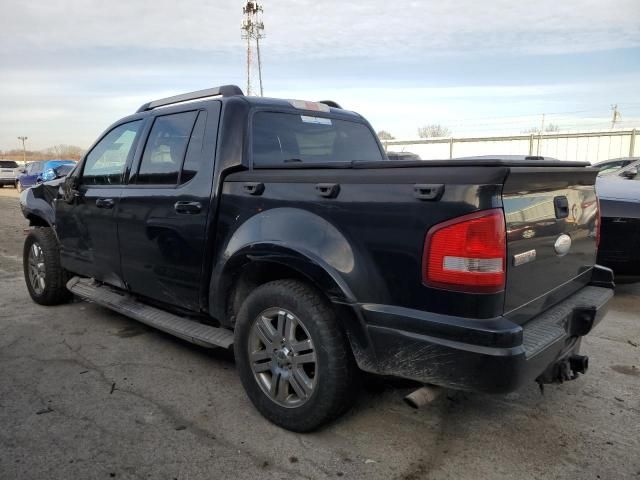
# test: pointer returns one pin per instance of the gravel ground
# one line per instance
(86, 393)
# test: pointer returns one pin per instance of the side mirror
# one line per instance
(21, 169)
(70, 188)
(49, 174)
(630, 173)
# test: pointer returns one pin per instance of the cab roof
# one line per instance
(226, 92)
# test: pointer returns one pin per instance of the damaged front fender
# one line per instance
(38, 203)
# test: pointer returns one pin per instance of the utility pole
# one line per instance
(540, 135)
(252, 28)
(24, 150)
(615, 115)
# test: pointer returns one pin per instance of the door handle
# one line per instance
(105, 203)
(328, 190)
(561, 205)
(254, 188)
(189, 208)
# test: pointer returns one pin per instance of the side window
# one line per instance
(165, 150)
(194, 151)
(105, 164)
(37, 168)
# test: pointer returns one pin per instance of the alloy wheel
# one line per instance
(283, 357)
(37, 274)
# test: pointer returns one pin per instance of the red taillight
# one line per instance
(467, 253)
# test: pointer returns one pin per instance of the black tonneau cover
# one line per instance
(455, 162)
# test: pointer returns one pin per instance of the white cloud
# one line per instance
(331, 27)
(68, 68)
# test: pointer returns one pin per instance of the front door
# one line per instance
(163, 212)
(86, 224)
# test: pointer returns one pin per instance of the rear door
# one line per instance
(551, 217)
(163, 212)
(86, 227)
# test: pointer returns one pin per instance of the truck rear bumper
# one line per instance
(493, 355)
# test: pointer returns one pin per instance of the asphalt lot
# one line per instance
(86, 393)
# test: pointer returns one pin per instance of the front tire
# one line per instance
(294, 360)
(43, 274)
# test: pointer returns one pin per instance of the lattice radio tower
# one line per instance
(252, 29)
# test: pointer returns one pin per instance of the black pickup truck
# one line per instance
(281, 229)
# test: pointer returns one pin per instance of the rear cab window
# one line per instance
(8, 164)
(283, 138)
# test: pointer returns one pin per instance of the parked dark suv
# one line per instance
(280, 228)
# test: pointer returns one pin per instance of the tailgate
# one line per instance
(551, 216)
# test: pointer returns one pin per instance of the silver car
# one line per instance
(8, 173)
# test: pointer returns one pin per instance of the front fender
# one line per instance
(37, 204)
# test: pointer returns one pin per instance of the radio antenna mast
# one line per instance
(253, 29)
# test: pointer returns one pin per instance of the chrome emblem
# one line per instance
(524, 257)
(562, 245)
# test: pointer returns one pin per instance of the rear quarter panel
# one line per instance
(371, 236)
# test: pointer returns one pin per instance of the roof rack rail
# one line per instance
(224, 91)
(330, 103)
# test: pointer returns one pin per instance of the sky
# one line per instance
(69, 68)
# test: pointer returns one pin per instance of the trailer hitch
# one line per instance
(563, 370)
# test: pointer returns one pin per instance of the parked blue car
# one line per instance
(40, 171)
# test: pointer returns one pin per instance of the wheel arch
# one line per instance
(260, 263)
(37, 221)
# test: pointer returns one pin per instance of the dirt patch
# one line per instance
(131, 331)
(12, 225)
(627, 370)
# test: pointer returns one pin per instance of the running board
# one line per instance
(189, 330)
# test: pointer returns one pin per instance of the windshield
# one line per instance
(632, 167)
(612, 166)
(57, 163)
(288, 138)
(8, 164)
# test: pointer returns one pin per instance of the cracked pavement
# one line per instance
(87, 393)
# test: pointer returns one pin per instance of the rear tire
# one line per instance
(308, 360)
(43, 274)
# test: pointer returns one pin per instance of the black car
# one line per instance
(619, 193)
(610, 166)
(402, 156)
(279, 228)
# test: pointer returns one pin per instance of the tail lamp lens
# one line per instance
(467, 253)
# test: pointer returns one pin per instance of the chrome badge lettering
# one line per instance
(524, 257)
